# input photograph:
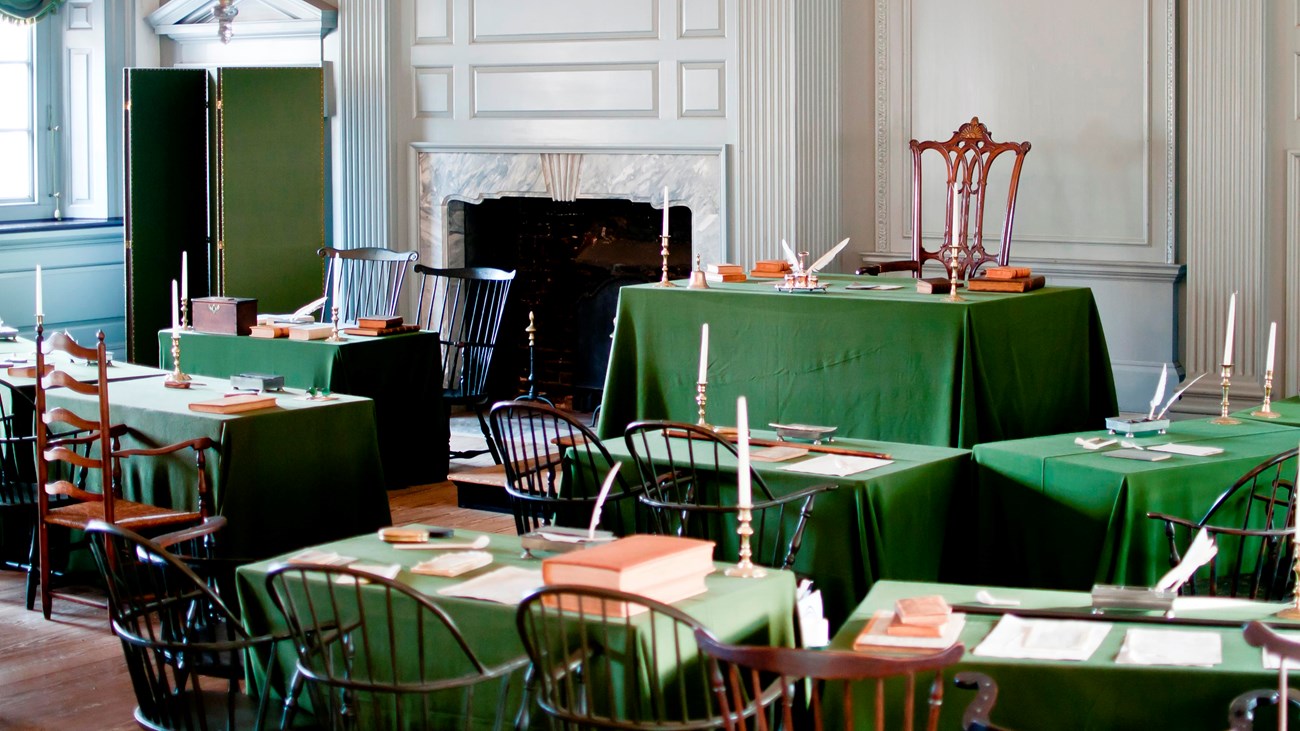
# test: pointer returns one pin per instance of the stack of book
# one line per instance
(724, 273)
(770, 269)
(663, 568)
(1006, 279)
(375, 326)
(925, 622)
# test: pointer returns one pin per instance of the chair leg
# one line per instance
(43, 538)
(487, 433)
(32, 568)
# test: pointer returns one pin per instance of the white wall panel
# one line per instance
(432, 21)
(79, 121)
(703, 91)
(516, 20)
(433, 92)
(702, 18)
(578, 90)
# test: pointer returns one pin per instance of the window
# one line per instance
(26, 146)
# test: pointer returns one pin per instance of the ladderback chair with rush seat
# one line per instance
(1253, 527)
(94, 448)
(968, 156)
(737, 673)
(176, 632)
(374, 653)
(554, 469)
(371, 282)
(465, 306)
(688, 475)
(1241, 713)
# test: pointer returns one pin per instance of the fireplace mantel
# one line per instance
(695, 176)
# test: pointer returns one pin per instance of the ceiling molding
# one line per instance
(192, 20)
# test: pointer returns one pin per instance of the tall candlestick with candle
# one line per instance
(745, 567)
(1266, 411)
(40, 299)
(185, 290)
(663, 246)
(177, 378)
(702, 383)
(336, 296)
(1226, 373)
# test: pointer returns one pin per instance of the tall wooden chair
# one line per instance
(1241, 713)
(95, 449)
(465, 307)
(968, 156)
(371, 283)
(377, 654)
(554, 469)
(740, 674)
(688, 476)
(1253, 525)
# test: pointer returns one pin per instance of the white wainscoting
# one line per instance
(563, 20)
(574, 90)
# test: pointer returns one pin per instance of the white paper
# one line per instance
(1190, 450)
(838, 465)
(814, 630)
(387, 571)
(506, 585)
(319, 558)
(1043, 639)
(1171, 647)
(777, 454)
(1093, 442)
(453, 564)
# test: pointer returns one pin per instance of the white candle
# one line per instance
(40, 299)
(744, 495)
(1227, 341)
(337, 285)
(956, 215)
(665, 210)
(704, 353)
(185, 275)
(1272, 341)
(176, 308)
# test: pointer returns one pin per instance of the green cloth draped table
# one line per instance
(740, 610)
(284, 477)
(1055, 515)
(1094, 694)
(401, 373)
(901, 521)
(892, 365)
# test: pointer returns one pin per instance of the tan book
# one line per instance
(668, 592)
(1020, 284)
(268, 331)
(934, 285)
(379, 323)
(370, 332)
(393, 534)
(311, 332)
(234, 404)
(927, 611)
(632, 563)
(876, 635)
(724, 269)
(737, 277)
(772, 265)
(898, 629)
(1007, 272)
(763, 274)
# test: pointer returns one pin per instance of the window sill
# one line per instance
(66, 224)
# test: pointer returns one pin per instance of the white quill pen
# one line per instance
(789, 255)
(1177, 393)
(600, 500)
(828, 256)
(1198, 553)
(1160, 391)
(310, 307)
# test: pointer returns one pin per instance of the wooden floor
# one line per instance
(68, 673)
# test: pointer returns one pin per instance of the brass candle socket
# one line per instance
(177, 378)
(745, 568)
(701, 402)
(334, 336)
(1266, 411)
(952, 274)
(663, 252)
(185, 315)
(1223, 417)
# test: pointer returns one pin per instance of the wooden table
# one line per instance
(401, 373)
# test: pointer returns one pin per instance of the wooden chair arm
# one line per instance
(1174, 519)
(206, 528)
(889, 266)
(198, 445)
(976, 717)
(1214, 530)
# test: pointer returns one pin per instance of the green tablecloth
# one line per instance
(1055, 515)
(284, 477)
(751, 610)
(1095, 694)
(899, 521)
(1288, 411)
(892, 365)
(401, 373)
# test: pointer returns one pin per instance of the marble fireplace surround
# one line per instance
(695, 177)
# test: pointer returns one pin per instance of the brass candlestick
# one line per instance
(1223, 417)
(663, 251)
(952, 275)
(1293, 611)
(185, 315)
(1267, 411)
(335, 337)
(698, 280)
(701, 402)
(745, 568)
(176, 379)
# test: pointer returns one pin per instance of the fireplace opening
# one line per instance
(571, 260)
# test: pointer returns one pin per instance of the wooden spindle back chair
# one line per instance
(371, 283)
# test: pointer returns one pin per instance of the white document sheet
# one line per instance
(1043, 639)
(312, 556)
(777, 454)
(1171, 647)
(1191, 450)
(506, 585)
(838, 465)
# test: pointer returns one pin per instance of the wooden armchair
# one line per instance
(1241, 713)
(94, 448)
(689, 491)
(968, 156)
(740, 675)
(371, 280)
(1253, 525)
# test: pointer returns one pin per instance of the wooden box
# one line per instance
(224, 315)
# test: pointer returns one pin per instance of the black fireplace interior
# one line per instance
(572, 258)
